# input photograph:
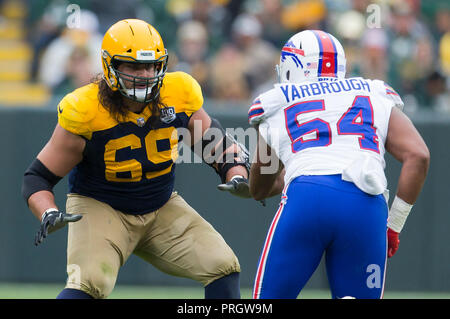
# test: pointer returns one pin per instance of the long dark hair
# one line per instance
(113, 102)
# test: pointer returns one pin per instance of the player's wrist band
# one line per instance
(48, 211)
(398, 213)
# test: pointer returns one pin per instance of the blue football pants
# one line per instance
(325, 215)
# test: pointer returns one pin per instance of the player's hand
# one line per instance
(393, 242)
(52, 221)
(237, 186)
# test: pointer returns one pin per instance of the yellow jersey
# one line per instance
(129, 165)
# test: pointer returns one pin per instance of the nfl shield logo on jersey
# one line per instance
(168, 114)
(140, 121)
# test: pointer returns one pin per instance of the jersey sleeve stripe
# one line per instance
(391, 91)
(255, 112)
(256, 102)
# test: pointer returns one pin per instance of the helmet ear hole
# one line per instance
(288, 75)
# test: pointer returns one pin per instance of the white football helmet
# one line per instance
(309, 55)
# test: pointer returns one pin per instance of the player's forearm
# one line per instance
(412, 177)
(41, 201)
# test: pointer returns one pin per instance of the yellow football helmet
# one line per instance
(134, 41)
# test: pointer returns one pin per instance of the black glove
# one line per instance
(53, 220)
(238, 186)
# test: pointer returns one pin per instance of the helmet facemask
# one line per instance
(143, 89)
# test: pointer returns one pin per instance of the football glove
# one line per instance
(53, 220)
(393, 242)
(237, 186)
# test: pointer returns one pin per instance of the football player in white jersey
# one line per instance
(329, 134)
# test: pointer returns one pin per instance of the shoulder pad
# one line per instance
(389, 94)
(182, 91)
(77, 109)
(265, 105)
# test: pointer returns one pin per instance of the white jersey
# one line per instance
(329, 127)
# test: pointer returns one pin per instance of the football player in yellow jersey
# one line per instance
(117, 137)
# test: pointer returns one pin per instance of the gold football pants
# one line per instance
(175, 239)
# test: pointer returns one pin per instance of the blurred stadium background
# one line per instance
(231, 48)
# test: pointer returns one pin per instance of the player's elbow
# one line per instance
(420, 158)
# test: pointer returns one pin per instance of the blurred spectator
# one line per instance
(111, 11)
(442, 33)
(260, 56)
(349, 27)
(304, 14)
(44, 29)
(52, 71)
(78, 71)
(232, 46)
(227, 78)
(442, 21)
(211, 13)
(434, 93)
(269, 13)
(444, 52)
(374, 60)
(192, 52)
(363, 37)
(410, 51)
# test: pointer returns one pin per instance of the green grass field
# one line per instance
(49, 291)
